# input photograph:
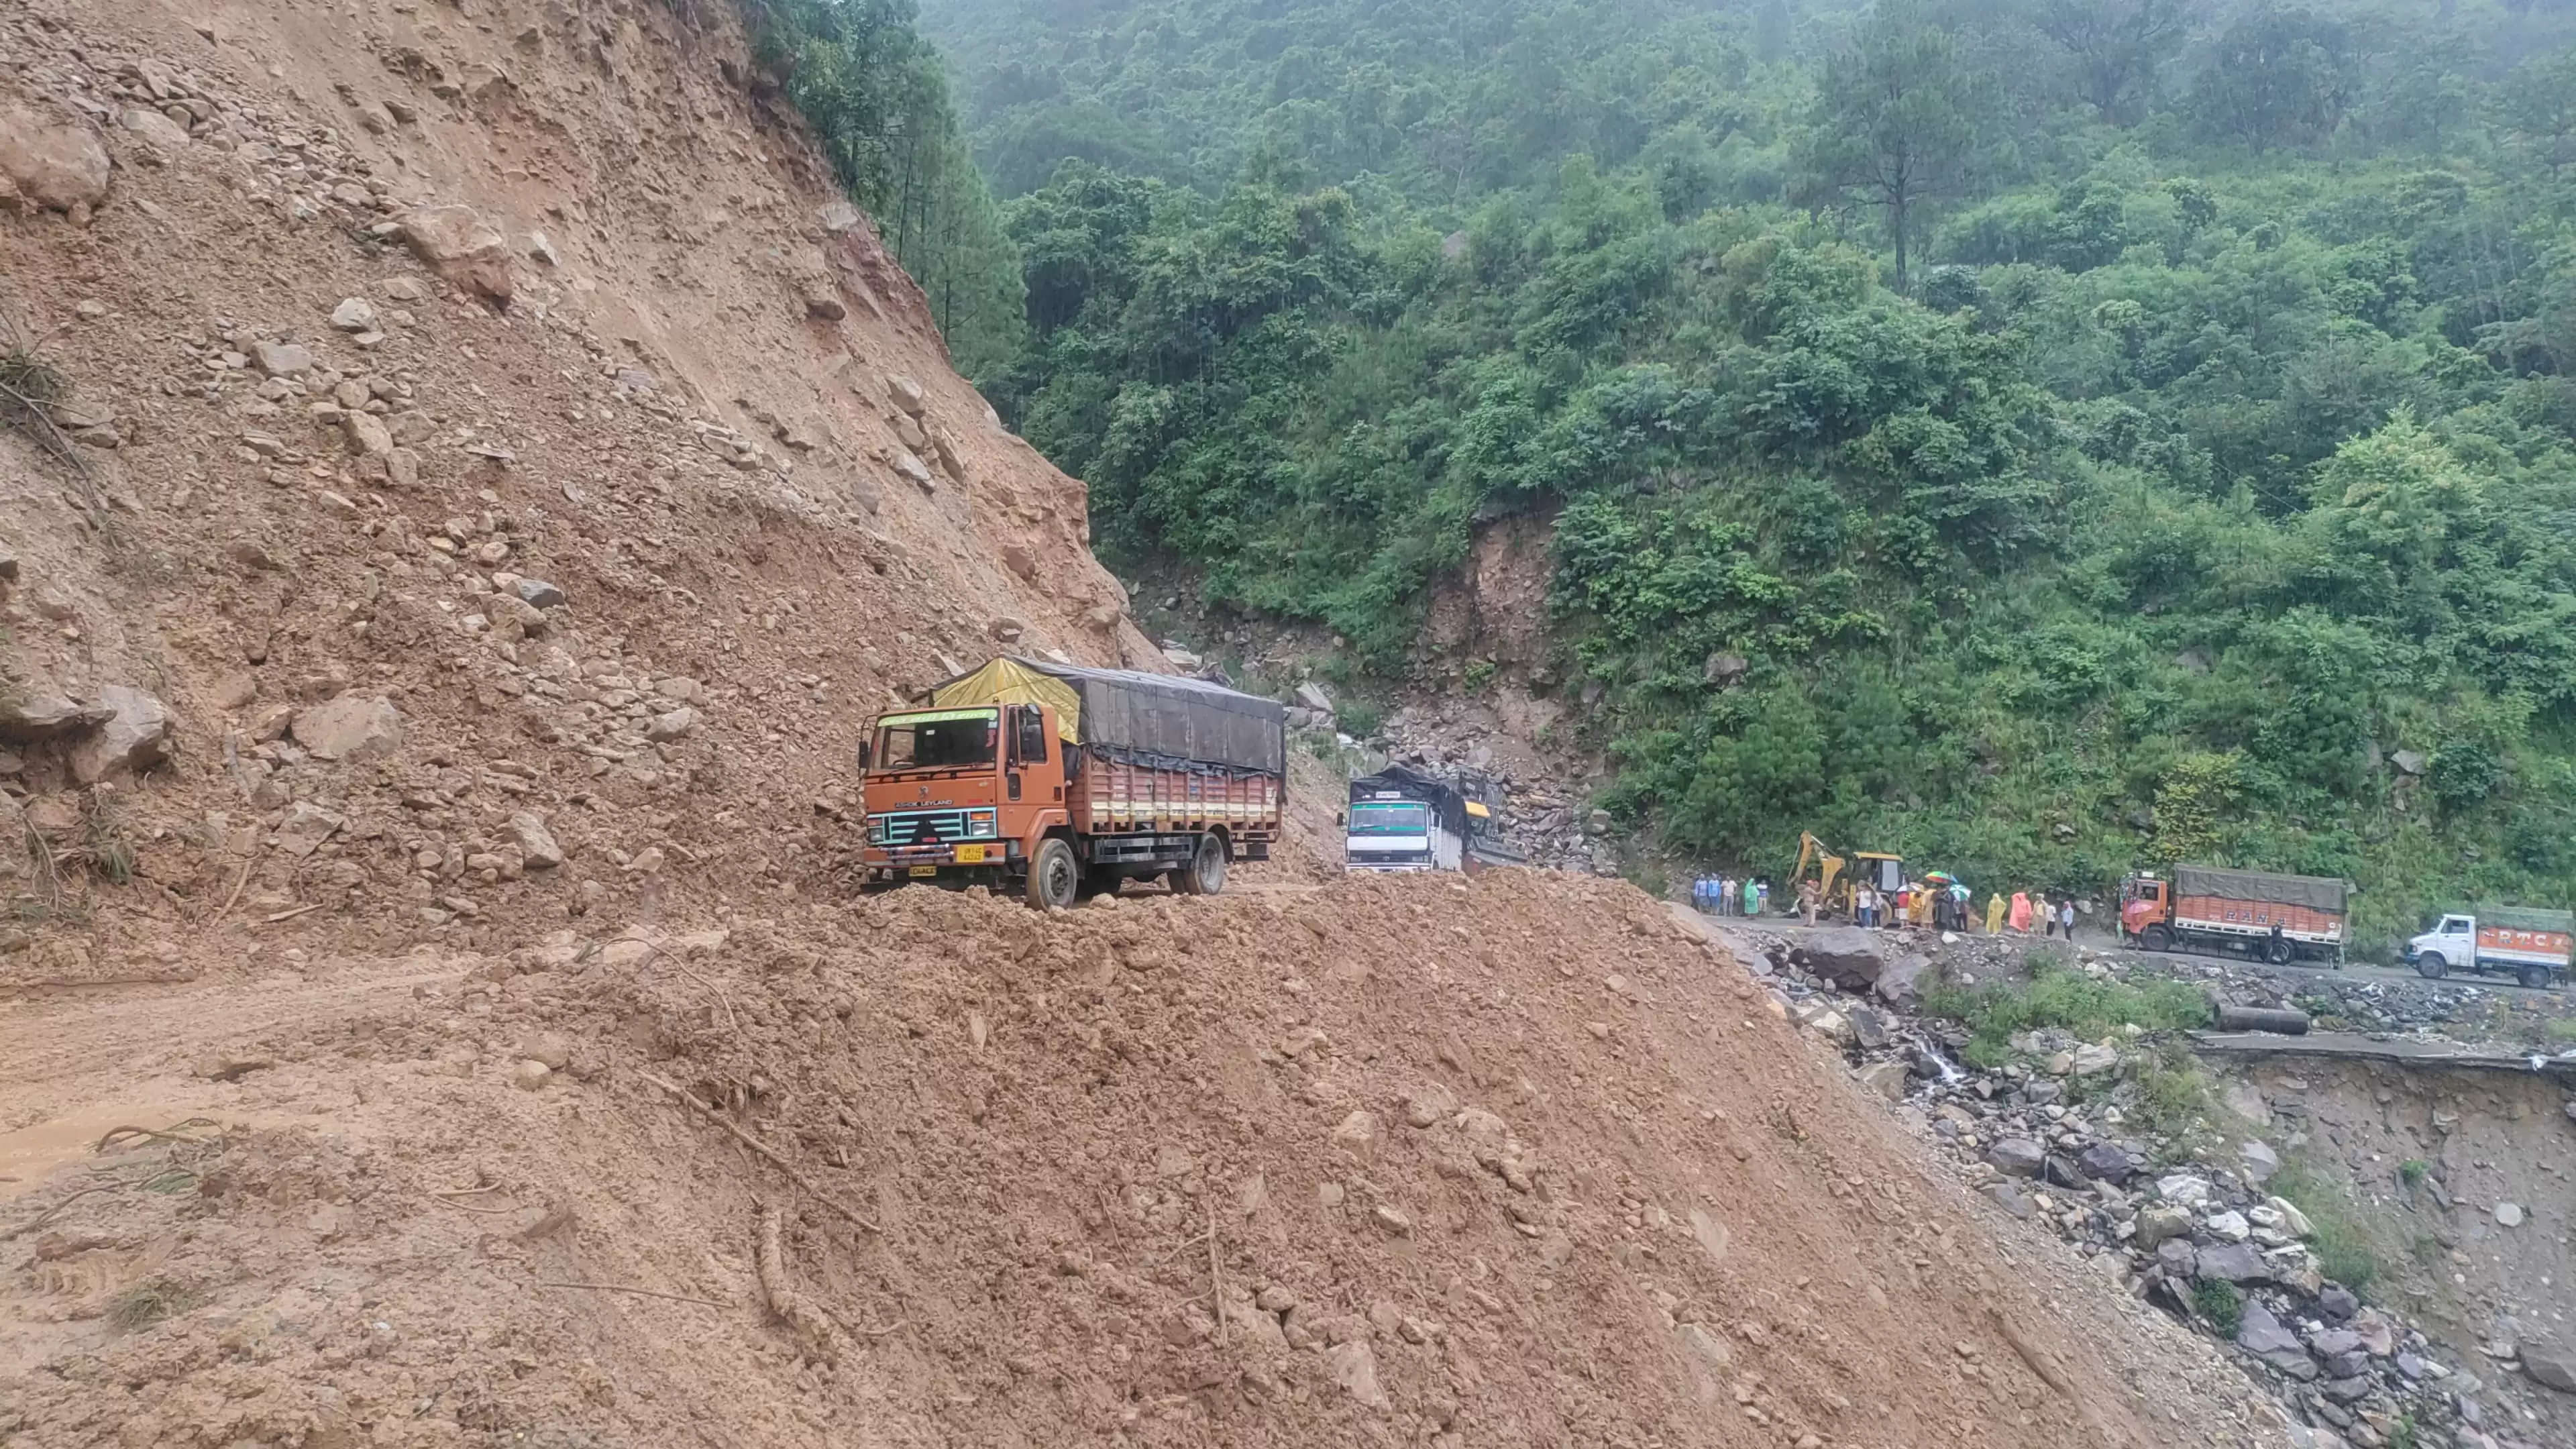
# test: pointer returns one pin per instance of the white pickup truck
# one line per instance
(2534, 945)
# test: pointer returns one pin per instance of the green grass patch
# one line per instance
(2562, 1031)
(2347, 1248)
(149, 1302)
(2413, 1171)
(2059, 997)
(2221, 1303)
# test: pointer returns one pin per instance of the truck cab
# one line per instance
(961, 796)
(2145, 907)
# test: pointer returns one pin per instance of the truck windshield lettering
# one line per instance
(949, 740)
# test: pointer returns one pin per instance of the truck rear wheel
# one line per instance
(2279, 952)
(2535, 977)
(2155, 938)
(2431, 966)
(1055, 877)
(1205, 874)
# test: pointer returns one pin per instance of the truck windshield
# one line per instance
(948, 740)
(1390, 818)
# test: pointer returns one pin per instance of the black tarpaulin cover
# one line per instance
(1447, 805)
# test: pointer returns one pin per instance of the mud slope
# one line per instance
(1415, 1161)
(478, 412)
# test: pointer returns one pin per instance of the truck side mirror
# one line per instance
(867, 755)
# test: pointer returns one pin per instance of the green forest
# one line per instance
(2044, 437)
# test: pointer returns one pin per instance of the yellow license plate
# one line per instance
(970, 855)
(920, 872)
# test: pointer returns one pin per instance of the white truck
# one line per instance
(2534, 945)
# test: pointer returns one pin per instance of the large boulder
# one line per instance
(353, 727)
(1901, 982)
(135, 737)
(33, 716)
(2017, 1157)
(58, 166)
(1846, 955)
(458, 244)
(2555, 1367)
(2237, 1263)
(2265, 1337)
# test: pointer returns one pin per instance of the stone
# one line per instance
(537, 593)
(553, 1048)
(282, 359)
(1353, 1365)
(905, 394)
(1899, 983)
(2010, 1198)
(1869, 1029)
(2551, 1367)
(2062, 1064)
(2408, 762)
(2349, 1390)
(1393, 1221)
(58, 167)
(2336, 1303)
(2508, 1215)
(306, 827)
(32, 717)
(2156, 1225)
(354, 314)
(2229, 1228)
(2262, 1335)
(2182, 1189)
(459, 245)
(2238, 1263)
(2105, 1162)
(1887, 1079)
(1430, 1106)
(837, 217)
(1848, 956)
(368, 436)
(1021, 560)
(132, 739)
(2016, 1157)
(673, 725)
(353, 728)
(403, 289)
(2094, 1060)
(1357, 1135)
(154, 128)
(2178, 1257)
(2257, 1161)
(530, 1075)
(823, 301)
(909, 466)
(2293, 1221)
(537, 847)
(1312, 696)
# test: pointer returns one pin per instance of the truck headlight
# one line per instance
(982, 824)
(876, 830)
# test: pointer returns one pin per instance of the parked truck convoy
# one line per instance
(2275, 918)
(2533, 945)
(1058, 781)
(1402, 819)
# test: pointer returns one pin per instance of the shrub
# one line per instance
(2058, 997)
(2220, 1303)
(2345, 1245)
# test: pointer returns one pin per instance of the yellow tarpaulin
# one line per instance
(1007, 681)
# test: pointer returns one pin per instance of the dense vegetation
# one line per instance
(2044, 438)
(877, 97)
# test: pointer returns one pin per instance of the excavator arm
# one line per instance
(1828, 865)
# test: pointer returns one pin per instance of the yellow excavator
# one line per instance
(1833, 888)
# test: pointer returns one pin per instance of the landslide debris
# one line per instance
(1418, 1160)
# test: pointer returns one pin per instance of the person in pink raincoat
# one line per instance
(2020, 918)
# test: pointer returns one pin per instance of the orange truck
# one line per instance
(1059, 782)
(2533, 944)
(2274, 918)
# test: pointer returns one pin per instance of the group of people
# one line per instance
(1723, 895)
(1939, 906)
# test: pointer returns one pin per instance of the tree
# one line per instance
(2277, 78)
(2115, 46)
(1898, 121)
(2539, 108)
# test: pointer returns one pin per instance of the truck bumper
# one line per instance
(881, 878)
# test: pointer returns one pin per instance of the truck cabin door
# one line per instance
(1028, 738)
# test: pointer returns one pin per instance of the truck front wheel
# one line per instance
(1205, 874)
(2431, 966)
(1055, 877)
(2155, 938)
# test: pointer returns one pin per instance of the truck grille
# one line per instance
(919, 827)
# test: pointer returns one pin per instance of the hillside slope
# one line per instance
(321, 425)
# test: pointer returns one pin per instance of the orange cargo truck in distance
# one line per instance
(2274, 918)
(1058, 782)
